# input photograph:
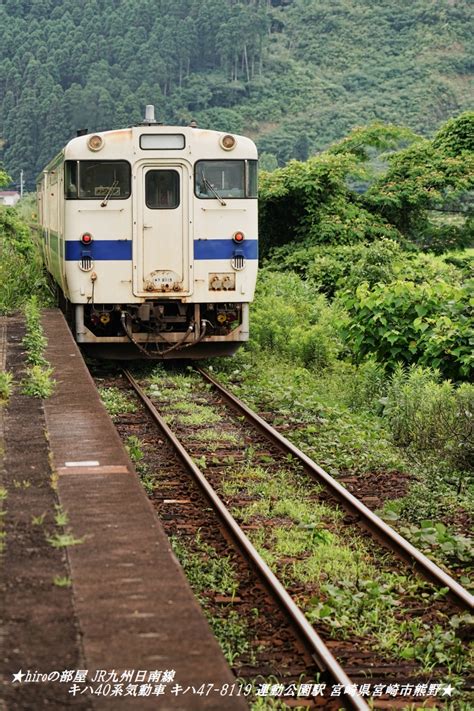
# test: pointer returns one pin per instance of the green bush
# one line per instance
(442, 236)
(312, 201)
(367, 387)
(21, 266)
(332, 267)
(428, 323)
(432, 418)
(290, 318)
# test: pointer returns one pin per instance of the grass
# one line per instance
(134, 447)
(199, 416)
(215, 437)
(61, 518)
(6, 387)
(62, 581)
(349, 590)
(64, 540)
(38, 381)
(21, 265)
(205, 569)
(335, 416)
(209, 574)
(116, 402)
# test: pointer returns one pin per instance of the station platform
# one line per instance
(127, 610)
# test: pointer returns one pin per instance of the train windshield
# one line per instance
(225, 179)
(97, 179)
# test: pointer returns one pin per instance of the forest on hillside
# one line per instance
(294, 74)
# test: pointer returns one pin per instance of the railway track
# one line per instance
(356, 667)
(384, 533)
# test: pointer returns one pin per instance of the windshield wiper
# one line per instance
(210, 187)
(109, 193)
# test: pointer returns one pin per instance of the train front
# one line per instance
(161, 240)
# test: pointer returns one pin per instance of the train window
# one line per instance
(225, 179)
(92, 179)
(251, 182)
(162, 189)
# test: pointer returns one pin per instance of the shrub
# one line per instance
(367, 387)
(428, 324)
(431, 417)
(312, 201)
(290, 318)
(21, 266)
(332, 267)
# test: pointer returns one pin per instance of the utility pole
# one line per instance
(21, 183)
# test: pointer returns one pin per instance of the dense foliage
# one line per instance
(21, 268)
(297, 74)
(353, 192)
(351, 222)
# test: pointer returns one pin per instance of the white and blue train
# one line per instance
(150, 233)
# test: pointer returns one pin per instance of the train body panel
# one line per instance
(151, 234)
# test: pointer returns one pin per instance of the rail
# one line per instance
(384, 533)
(317, 648)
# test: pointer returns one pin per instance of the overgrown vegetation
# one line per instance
(353, 192)
(6, 385)
(341, 583)
(211, 574)
(115, 401)
(38, 380)
(21, 269)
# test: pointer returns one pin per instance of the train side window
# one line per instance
(162, 189)
(70, 181)
(251, 182)
(97, 179)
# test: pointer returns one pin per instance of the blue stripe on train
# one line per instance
(224, 248)
(114, 249)
(99, 249)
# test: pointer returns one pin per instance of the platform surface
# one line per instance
(133, 607)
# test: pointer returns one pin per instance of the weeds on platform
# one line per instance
(64, 540)
(6, 387)
(62, 581)
(38, 381)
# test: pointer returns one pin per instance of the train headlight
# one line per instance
(86, 238)
(238, 237)
(227, 142)
(95, 143)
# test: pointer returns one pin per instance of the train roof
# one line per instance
(188, 142)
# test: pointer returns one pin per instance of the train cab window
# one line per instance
(251, 182)
(97, 179)
(162, 189)
(225, 179)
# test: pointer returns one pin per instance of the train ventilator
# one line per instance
(150, 233)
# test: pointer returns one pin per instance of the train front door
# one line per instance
(162, 230)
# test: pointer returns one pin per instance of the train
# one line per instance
(150, 234)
